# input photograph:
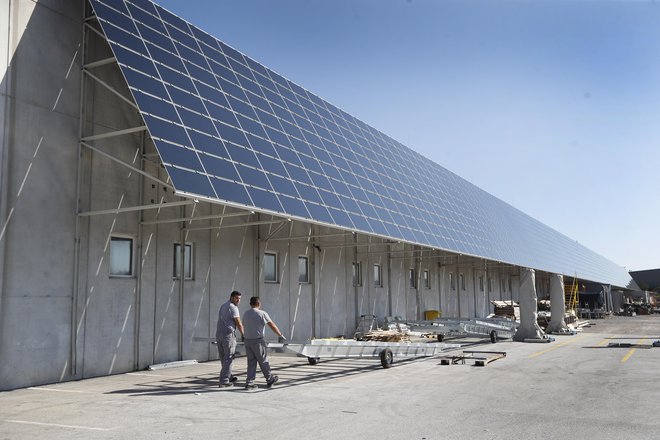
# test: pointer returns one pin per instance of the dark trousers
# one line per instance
(226, 350)
(257, 353)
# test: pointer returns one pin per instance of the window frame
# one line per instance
(461, 279)
(452, 281)
(131, 263)
(307, 279)
(481, 283)
(412, 278)
(191, 261)
(378, 280)
(276, 269)
(426, 277)
(356, 273)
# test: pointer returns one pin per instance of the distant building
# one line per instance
(647, 279)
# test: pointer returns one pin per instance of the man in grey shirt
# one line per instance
(229, 319)
(255, 321)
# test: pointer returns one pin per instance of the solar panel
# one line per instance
(230, 130)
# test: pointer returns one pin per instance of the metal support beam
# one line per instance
(110, 134)
(96, 31)
(127, 165)
(263, 222)
(110, 89)
(345, 245)
(199, 218)
(137, 208)
(307, 237)
(277, 229)
(99, 63)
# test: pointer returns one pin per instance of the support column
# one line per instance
(557, 305)
(529, 328)
(607, 293)
(389, 280)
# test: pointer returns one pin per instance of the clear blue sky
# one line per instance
(552, 106)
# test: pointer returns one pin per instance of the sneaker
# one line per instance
(226, 385)
(271, 381)
(233, 379)
(250, 386)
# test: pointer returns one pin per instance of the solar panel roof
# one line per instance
(230, 130)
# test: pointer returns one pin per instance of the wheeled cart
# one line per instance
(339, 348)
(493, 328)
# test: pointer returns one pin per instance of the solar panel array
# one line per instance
(229, 129)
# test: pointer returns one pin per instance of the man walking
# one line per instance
(255, 321)
(229, 319)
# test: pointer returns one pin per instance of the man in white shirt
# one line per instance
(255, 321)
(229, 319)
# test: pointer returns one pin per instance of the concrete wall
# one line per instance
(39, 107)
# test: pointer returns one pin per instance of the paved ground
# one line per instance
(575, 388)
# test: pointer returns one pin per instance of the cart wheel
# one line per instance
(386, 358)
(493, 336)
(441, 338)
(312, 361)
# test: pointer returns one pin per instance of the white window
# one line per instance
(412, 278)
(357, 273)
(303, 270)
(481, 283)
(378, 275)
(121, 256)
(187, 261)
(461, 277)
(270, 267)
(452, 282)
(427, 279)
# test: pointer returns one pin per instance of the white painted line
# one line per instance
(148, 375)
(68, 72)
(27, 173)
(4, 228)
(58, 99)
(88, 428)
(58, 390)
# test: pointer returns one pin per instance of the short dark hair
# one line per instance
(235, 293)
(255, 301)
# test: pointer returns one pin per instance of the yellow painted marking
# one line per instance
(631, 351)
(554, 347)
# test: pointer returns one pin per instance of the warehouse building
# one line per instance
(148, 169)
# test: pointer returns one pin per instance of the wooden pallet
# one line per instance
(480, 358)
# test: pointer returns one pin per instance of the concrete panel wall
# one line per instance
(399, 287)
(301, 294)
(39, 107)
(378, 300)
(332, 296)
(482, 301)
(410, 292)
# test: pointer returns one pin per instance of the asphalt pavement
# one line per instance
(577, 387)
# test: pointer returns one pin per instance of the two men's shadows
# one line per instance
(296, 372)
